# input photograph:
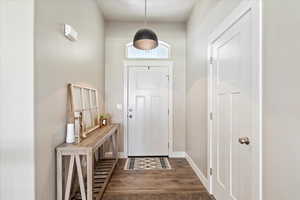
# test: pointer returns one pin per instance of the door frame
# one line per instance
(255, 6)
(143, 63)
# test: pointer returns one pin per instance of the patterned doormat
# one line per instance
(147, 163)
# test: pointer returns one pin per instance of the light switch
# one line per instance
(71, 33)
(119, 106)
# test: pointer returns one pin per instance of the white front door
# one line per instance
(232, 109)
(148, 104)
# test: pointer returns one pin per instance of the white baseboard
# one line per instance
(201, 176)
(177, 154)
(121, 154)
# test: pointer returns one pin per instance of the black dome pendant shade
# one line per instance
(145, 39)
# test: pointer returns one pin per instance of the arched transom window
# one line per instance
(161, 52)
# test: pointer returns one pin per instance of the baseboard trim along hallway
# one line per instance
(198, 172)
(178, 154)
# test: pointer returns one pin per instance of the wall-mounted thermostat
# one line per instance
(71, 33)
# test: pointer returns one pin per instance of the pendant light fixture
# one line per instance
(145, 39)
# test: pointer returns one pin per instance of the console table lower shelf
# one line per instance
(83, 171)
(102, 175)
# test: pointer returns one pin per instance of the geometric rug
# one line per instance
(147, 163)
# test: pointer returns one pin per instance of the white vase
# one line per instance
(70, 134)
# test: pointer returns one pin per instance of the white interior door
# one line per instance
(232, 109)
(148, 104)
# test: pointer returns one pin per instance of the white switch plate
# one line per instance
(119, 106)
(71, 33)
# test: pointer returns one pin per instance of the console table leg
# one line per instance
(114, 146)
(59, 176)
(90, 167)
(101, 152)
(70, 177)
(80, 177)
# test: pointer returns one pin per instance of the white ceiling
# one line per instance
(158, 10)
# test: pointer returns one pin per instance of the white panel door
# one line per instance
(148, 119)
(232, 122)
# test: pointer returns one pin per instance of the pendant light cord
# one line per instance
(145, 19)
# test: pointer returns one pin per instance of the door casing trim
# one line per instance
(255, 6)
(151, 63)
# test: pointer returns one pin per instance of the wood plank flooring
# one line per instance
(179, 183)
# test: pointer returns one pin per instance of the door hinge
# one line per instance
(211, 60)
(211, 116)
(211, 171)
(168, 77)
(168, 111)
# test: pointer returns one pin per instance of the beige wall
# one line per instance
(16, 100)
(58, 62)
(281, 103)
(205, 17)
(120, 34)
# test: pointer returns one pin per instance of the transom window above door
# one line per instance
(161, 52)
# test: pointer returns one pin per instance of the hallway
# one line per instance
(212, 85)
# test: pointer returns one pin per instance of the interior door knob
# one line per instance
(244, 140)
(130, 116)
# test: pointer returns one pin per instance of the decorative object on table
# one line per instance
(70, 134)
(105, 119)
(77, 125)
(145, 39)
(147, 163)
(84, 110)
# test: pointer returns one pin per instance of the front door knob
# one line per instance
(244, 140)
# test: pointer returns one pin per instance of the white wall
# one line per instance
(16, 100)
(205, 17)
(118, 34)
(58, 62)
(281, 102)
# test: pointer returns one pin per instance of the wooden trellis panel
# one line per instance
(84, 110)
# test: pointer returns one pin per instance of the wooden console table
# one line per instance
(83, 171)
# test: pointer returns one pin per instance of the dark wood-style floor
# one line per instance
(180, 183)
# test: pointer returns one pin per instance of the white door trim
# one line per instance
(255, 6)
(151, 63)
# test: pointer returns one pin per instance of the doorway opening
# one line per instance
(148, 108)
(234, 96)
